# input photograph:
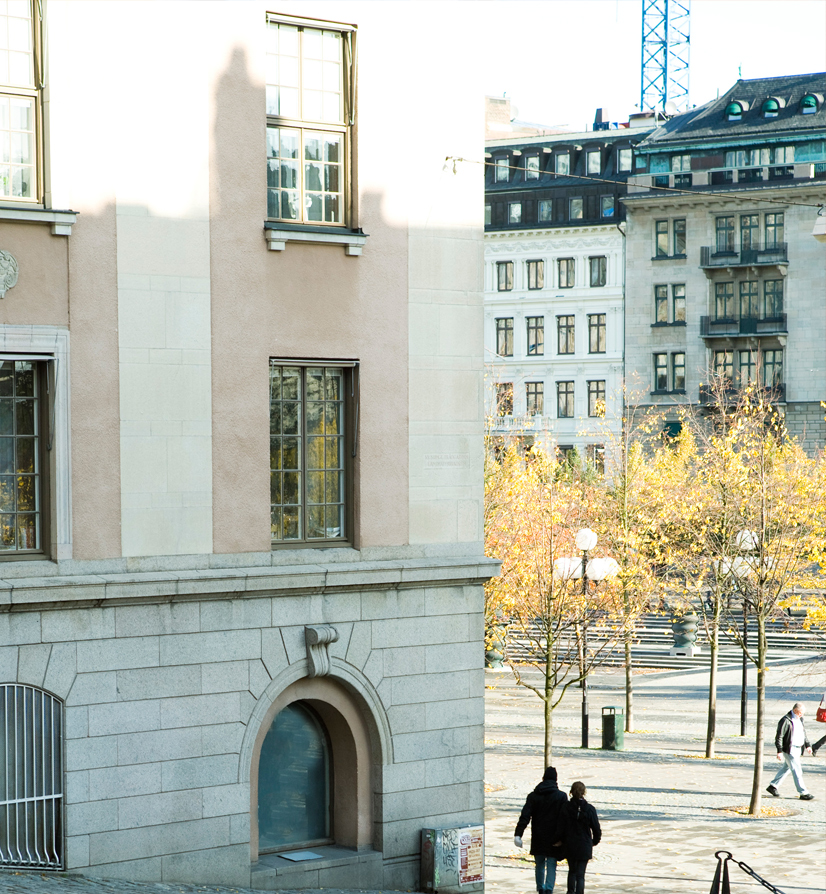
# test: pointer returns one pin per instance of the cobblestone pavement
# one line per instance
(663, 807)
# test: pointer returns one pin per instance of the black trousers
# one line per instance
(576, 876)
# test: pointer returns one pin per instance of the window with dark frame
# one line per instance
(772, 367)
(565, 334)
(607, 206)
(546, 210)
(724, 301)
(599, 270)
(594, 161)
(504, 336)
(501, 170)
(536, 275)
(749, 305)
(661, 372)
(531, 167)
(774, 229)
(661, 238)
(575, 209)
(562, 163)
(772, 298)
(596, 398)
(679, 236)
(724, 365)
(595, 455)
(749, 231)
(504, 399)
(23, 465)
(724, 230)
(310, 113)
(565, 400)
(565, 267)
(678, 303)
(596, 334)
(661, 304)
(514, 212)
(625, 158)
(748, 368)
(536, 336)
(535, 397)
(487, 215)
(308, 481)
(678, 371)
(504, 276)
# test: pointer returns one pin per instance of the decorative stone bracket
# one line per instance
(318, 641)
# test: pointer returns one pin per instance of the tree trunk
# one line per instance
(712, 688)
(757, 780)
(548, 706)
(629, 685)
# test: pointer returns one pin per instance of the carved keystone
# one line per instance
(318, 641)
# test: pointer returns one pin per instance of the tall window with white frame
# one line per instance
(535, 398)
(20, 101)
(308, 483)
(596, 334)
(565, 400)
(596, 398)
(504, 276)
(599, 270)
(23, 465)
(504, 336)
(536, 275)
(565, 334)
(536, 336)
(310, 115)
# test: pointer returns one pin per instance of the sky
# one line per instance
(560, 60)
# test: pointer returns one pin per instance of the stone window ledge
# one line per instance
(60, 221)
(278, 235)
(366, 867)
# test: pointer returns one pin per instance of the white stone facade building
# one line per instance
(241, 543)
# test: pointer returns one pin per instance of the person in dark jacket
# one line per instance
(582, 832)
(791, 741)
(543, 807)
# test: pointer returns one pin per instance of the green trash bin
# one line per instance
(613, 729)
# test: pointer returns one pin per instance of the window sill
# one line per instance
(669, 257)
(665, 325)
(279, 234)
(60, 221)
(673, 391)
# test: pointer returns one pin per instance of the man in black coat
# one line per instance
(581, 833)
(543, 807)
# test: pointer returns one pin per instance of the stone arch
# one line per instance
(359, 733)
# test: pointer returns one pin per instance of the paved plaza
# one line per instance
(664, 809)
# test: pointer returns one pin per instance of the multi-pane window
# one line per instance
(501, 170)
(532, 167)
(724, 227)
(724, 365)
(748, 368)
(536, 274)
(564, 400)
(678, 371)
(307, 471)
(21, 465)
(595, 454)
(594, 161)
(680, 162)
(515, 212)
(749, 307)
(749, 231)
(661, 304)
(535, 395)
(772, 368)
(606, 206)
(625, 158)
(504, 276)
(504, 336)
(504, 399)
(783, 155)
(19, 97)
(565, 335)
(661, 372)
(487, 215)
(546, 210)
(596, 333)
(724, 301)
(678, 303)
(565, 267)
(774, 229)
(679, 236)
(772, 298)
(310, 112)
(599, 270)
(536, 336)
(661, 238)
(596, 398)
(562, 163)
(575, 209)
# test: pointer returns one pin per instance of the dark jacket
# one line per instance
(783, 736)
(543, 808)
(582, 830)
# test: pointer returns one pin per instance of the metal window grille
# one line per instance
(31, 778)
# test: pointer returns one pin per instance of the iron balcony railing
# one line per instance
(726, 327)
(747, 176)
(710, 396)
(754, 255)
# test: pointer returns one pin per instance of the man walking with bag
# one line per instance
(543, 807)
(791, 740)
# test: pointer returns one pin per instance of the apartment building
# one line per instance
(241, 543)
(724, 280)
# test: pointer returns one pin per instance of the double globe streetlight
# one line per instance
(569, 568)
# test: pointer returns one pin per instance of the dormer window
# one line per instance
(734, 111)
(562, 163)
(808, 105)
(531, 167)
(594, 161)
(501, 170)
(771, 108)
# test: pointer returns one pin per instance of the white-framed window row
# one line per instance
(35, 460)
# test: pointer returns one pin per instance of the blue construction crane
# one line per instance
(665, 46)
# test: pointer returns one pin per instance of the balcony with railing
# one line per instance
(756, 254)
(519, 424)
(730, 327)
(732, 394)
(725, 178)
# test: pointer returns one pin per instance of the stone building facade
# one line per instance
(724, 280)
(242, 563)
